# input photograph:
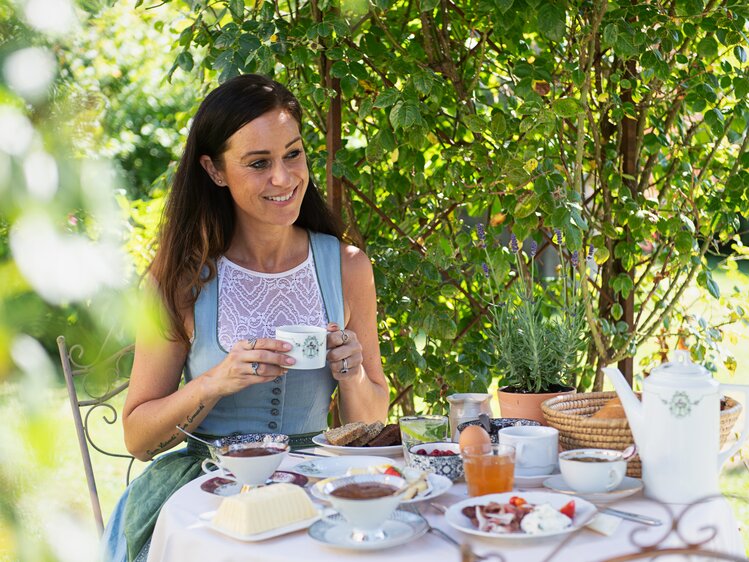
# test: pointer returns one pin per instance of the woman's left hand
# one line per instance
(344, 352)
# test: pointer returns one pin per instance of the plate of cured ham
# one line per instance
(520, 516)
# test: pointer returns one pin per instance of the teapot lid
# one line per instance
(681, 365)
(468, 397)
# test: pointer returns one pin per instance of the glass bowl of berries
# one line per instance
(441, 457)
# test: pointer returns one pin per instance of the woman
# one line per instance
(247, 244)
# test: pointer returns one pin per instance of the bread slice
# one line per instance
(345, 434)
(390, 435)
(372, 431)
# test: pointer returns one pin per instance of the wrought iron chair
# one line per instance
(101, 379)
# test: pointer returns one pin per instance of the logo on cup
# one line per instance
(310, 347)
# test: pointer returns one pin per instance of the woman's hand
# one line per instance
(344, 352)
(251, 362)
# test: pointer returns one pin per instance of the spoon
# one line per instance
(203, 441)
(629, 452)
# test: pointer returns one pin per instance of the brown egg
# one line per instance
(473, 435)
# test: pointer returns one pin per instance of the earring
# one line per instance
(219, 182)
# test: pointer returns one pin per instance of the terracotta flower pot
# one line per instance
(525, 405)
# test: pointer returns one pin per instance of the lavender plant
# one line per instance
(538, 329)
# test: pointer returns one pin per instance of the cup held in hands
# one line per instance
(308, 345)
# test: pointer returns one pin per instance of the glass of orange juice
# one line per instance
(489, 468)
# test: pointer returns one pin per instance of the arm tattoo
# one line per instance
(170, 442)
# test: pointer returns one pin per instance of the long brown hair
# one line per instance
(198, 220)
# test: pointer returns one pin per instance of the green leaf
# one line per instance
(740, 53)
(503, 5)
(708, 47)
(404, 115)
(349, 86)
(715, 120)
(475, 123)
(741, 87)
(552, 21)
(526, 205)
(498, 124)
(387, 98)
(339, 69)
(610, 33)
(566, 107)
(683, 241)
(428, 5)
(236, 7)
(601, 255)
(617, 311)
(423, 83)
(185, 61)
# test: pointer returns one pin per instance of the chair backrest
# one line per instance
(93, 385)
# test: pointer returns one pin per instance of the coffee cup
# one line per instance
(248, 463)
(308, 345)
(536, 448)
(592, 470)
(365, 501)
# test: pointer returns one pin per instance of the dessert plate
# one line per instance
(299, 525)
(402, 527)
(390, 451)
(584, 512)
(627, 487)
(327, 467)
(225, 487)
(438, 485)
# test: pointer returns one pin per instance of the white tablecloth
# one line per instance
(181, 536)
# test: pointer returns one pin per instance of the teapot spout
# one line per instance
(630, 403)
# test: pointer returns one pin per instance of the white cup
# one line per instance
(536, 448)
(366, 516)
(251, 470)
(592, 470)
(308, 345)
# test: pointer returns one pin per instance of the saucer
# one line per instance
(225, 487)
(533, 481)
(402, 527)
(627, 487)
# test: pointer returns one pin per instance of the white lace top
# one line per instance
(252, 304)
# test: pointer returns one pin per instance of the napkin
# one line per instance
(604, 524)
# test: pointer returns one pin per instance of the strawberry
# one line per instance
(568, 509)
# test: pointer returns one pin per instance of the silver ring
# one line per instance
(252, 343)
(344, 338)
(344, 368)
(255, 366)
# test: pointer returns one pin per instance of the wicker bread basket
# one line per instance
(571, 415)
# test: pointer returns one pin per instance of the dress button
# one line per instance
(275, 401)
(277, 380)
(276, 391)
(272, 425)
(274, 412)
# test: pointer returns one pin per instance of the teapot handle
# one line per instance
(728, 453)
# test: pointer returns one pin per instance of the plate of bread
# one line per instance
(359, 438)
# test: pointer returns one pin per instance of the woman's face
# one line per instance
(265, 169)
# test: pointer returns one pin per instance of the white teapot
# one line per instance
(677, 428)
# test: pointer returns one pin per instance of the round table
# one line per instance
(181, 536)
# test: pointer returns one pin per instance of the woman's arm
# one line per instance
(363, 391)
(156, 403)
